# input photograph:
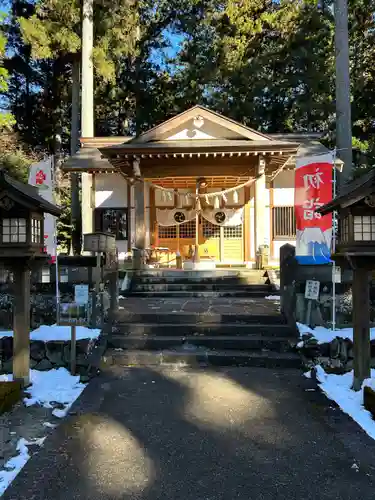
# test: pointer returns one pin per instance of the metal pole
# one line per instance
(333, 250)
(343, 111)
(73, 344)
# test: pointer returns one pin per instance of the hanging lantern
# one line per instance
(235, 197)
(217, 202)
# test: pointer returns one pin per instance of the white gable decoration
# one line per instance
(200, 123)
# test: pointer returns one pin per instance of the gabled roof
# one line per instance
(27, 193)
(352, 193)
(156, 132)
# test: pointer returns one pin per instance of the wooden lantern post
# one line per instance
(355, 249)
(21, 251)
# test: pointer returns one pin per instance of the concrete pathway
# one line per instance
(201, 435)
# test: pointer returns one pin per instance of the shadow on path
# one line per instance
(201, 435)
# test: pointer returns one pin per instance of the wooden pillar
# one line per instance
(153, 226)
(21, 325)
(272, 246)
(246, 225)
(140, 227)
(361, 327)
(260, 201)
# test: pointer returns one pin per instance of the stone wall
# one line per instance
(42, 303)
(47, 355)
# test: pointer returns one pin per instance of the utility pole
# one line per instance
(87, 104)
(74, 144)
(343, 105)
(87, 107)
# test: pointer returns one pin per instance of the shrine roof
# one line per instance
(353, 192)
(28, 192)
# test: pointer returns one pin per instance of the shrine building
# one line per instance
(197, 183)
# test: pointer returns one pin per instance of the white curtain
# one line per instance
(174, 217)
(228, 217)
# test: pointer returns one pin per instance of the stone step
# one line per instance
(135, 358)
(200, 287)
(225, 280)
(197, 319)
(199, 274)
(192, 329)
(191, 294)
(217, 342)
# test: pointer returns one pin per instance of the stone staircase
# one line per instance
(218, 283)
(216, 318)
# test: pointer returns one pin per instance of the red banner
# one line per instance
(313, 189)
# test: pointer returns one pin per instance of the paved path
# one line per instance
(201, 435)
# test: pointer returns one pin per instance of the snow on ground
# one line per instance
(55, 389)
(338, 388)
(56, 332)
(15, 464)
(324, 335)
(273, 297)
(56, 386)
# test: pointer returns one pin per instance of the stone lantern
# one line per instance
(21, 251)
(355, 249)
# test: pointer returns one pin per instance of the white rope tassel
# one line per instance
(163, 196)
(179, 201)
(217, 202)
(170, 198)
(235, 197)
(207, 200)
(225, 198)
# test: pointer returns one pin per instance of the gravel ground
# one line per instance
(24, 422)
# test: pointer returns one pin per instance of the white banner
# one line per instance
(228, 217)
(174, 217)
(40, 176)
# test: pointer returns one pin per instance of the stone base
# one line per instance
(10, 394)
(203, 265)
(369, 400)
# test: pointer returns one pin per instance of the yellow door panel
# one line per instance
(233, 250)
(210, 249)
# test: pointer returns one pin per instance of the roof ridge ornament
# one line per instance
(198, 121)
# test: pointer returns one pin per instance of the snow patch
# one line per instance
(325, 335)
(47, 333)
(273, 297)
(51, 388)
(338, 389)
(15, 464)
